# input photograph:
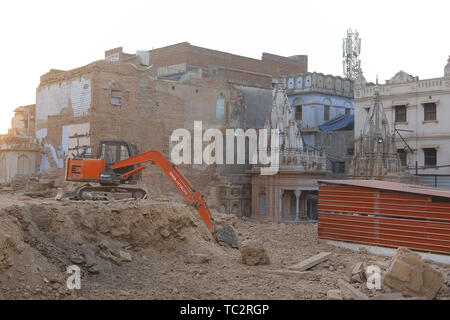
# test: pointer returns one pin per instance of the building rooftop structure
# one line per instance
(308, 82)
(177, 60)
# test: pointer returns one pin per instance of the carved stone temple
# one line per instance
(375, 155)
(291, 194)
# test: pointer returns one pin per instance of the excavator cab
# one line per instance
(115, 150)
(84, 167)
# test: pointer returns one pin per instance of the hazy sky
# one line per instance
(36, 36)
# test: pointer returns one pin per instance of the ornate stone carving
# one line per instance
(375, 153)
(291, 142)
(447, 68)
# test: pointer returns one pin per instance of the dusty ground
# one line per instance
(39, 238)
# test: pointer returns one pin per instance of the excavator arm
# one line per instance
(226, 234)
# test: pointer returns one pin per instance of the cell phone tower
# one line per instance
(351, 48)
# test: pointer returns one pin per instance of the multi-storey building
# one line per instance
(418, 112)
(316, 99)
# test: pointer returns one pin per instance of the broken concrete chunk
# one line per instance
(94, 269)
(334, 294)
(359, 273)
(253, 253)
(418, 298)
(164, 233)
(59, 194)
(223, 220)
(411, 276)
(389, 296)
(6, 244)
(77, 259)
(352, 292)
(125, 256)
(114, 260)
(196, 258)
(311, 262)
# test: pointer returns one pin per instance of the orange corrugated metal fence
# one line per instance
(385, 218)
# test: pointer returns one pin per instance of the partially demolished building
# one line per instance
(19, 150)
(143, 97)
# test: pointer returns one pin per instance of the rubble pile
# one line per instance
(39, 241)
(160, 249)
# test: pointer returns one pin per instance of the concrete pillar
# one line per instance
(281, 203)
(304, 215)
(297, 193)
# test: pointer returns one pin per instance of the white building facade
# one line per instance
(418, 112)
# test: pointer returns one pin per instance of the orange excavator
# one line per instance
(118, 164)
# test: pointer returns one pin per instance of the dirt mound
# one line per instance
(24, 272)
(39, 241)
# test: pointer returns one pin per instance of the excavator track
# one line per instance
(88, 192)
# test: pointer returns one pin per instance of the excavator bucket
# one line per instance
(228, 235)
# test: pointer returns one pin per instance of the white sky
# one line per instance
(36, 36)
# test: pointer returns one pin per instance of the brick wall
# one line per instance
(234, 67)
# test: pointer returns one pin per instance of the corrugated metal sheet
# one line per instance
(394, 186)
(380, 216)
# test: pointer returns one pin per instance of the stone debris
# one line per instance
(125, 256)
(359, 273)
(253, 253)
(59, 194)
(94, 269)
(418, 298)
(77, 259)
(223, 220)
(351, 292)
(6, 245)
(408, 274)
(389, 296)
(334, 294)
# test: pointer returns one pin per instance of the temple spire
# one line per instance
(375, 151)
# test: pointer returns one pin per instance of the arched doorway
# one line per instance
(22, 165)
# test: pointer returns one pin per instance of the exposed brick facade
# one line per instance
(227, 66)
